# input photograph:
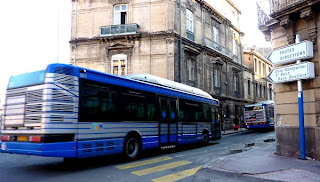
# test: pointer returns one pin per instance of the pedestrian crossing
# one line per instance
(142, 168)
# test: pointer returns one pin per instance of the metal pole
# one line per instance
(301, 113)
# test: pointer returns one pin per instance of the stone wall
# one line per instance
(300, 20)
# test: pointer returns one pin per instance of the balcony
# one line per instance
(279, 5)
(217, 47)
(124, 29)
(190, 35)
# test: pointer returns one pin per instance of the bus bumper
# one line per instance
(258, 126)
(61, 149)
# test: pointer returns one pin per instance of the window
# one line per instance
(119, 64)
(255, 66)
(270, 93)
(260, 90)
(217, 80)
(264, 91)
(256, 89)
(97, 101)
(100, 102)
(191, 69)
(235, 47)
(249, 89)
(215, 34)
(227, 111)
(260, 68)
(189, 22)
(120, 14)
(236, 82)
(190, 111)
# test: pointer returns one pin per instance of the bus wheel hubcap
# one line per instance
(132, 147)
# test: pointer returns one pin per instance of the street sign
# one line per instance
(292, 53)
(294, 72)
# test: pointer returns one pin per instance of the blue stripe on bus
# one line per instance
(61, 149)
(150, 142)
(67, 128)
(259, 126)
(113, 132)
(130, 127)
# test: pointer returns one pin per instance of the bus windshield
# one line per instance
(27, 79)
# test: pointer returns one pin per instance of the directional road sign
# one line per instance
(292, 53)
(293, 72)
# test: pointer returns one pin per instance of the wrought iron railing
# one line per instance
(263, 18)
(217, 47)
(278, 5)
(123, 29)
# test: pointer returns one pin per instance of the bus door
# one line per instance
(168, 123)
(216, 122)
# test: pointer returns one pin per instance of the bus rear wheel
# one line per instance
(132, 148)
(205, 138)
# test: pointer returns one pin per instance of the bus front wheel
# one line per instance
(132, 148)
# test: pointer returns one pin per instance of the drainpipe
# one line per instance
(180, 43)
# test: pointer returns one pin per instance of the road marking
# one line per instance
(142, 163)
(160, 168)
(177, 176)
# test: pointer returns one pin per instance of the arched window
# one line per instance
(119, 64)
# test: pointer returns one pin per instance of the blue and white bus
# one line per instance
(259, 115)
(73, 112)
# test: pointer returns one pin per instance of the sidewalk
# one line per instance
(229, 132)
(262, 163)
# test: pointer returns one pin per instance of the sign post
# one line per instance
(295, 72)
(301, 113)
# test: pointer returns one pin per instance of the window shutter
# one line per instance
(117, 18)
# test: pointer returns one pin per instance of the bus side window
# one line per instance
(206, 113)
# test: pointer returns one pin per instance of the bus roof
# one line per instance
(266, 102)
(169, 84)
(148, 83)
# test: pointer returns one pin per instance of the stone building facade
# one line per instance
(257, 86)
(143, 36)
(287, 19)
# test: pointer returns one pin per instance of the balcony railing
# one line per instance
(190, 35)
(217, 47)
(124, 29)
(278, 5)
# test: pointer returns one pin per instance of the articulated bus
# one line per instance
(259, 115)
(73, 112)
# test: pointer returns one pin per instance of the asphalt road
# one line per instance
(186, 164)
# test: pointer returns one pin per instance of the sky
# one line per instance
(36, 33)
(32, 34)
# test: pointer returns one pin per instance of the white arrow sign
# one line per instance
(292, 53)
(301, 71)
